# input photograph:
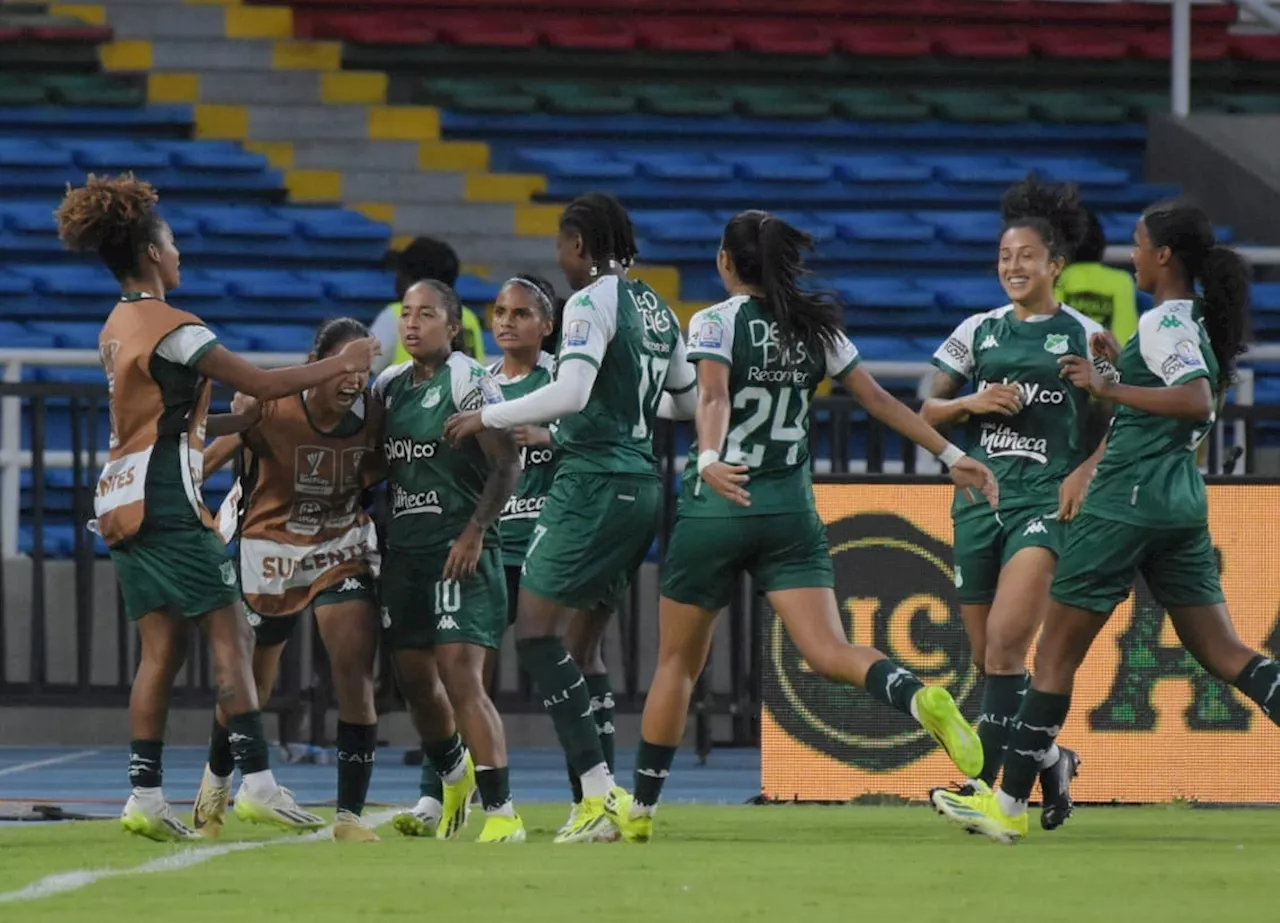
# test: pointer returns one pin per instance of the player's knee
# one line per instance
(1004, 656)
(825, 662)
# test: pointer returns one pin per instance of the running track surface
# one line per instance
(95, 780)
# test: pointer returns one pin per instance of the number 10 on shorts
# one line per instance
(448, 597)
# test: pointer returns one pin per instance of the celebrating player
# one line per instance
(444, 597)
(1146, 510)
(1029, 426)
(172, 566)
(620, 349)
(305, 540)
(760, 357)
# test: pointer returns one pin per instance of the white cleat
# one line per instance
(278, 809)
(423, 819)
(154, 819)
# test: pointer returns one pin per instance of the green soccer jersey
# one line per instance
(1149, 475)
(1032, 452)
(771, 390)
(434, 486)
(633, 338)
(538, 464)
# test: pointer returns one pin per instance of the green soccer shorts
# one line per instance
(1100, 558)
(590, 538)
(184, 571)
(781, 551)
(985, 543)
(420, 609)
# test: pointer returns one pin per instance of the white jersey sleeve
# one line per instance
(712, 330)
(681, 374)
(956, 354)
(380, 384)
(187, 344)
(473, 386)
(590, 322)
(1169, 339)
(842, 358)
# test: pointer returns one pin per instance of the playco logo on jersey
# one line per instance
(1032, 393)
(409, 450)
(1138, 691)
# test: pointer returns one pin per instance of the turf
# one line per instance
(806, 864)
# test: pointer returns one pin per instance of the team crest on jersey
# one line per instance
(577, 333)
(228, 573)
(431, 398)
(1056, 343)
(711, 334)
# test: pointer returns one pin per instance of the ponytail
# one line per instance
(769, 253)
(1224, 278)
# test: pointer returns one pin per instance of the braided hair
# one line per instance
(605, 228)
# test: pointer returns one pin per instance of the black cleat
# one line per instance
(1055, 789)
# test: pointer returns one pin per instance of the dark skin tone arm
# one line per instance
(504, 458)
(1192, 400)
(222, 365)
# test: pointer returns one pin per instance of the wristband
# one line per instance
(950, 455)
(709, 457)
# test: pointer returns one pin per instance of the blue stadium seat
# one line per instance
(368, 288)
(215, 157)
(877, 168)
(270, 285)
(677, 165)
(69, 334)
(786, 168)
(677, 226)
(885, 227)
(117, 155)
(965, 227)
(587, 164)
(969, 295)
(887, 349)
(475, 291)
(883, 292)
(16, 336)
(1075, 170)
(1266, 296)
(277, 338)
(978, 170)
(336, 224)
(24, 153)
(252, 222)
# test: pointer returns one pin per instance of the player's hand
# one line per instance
(1082, 373)
(465, 554)
(999, 398)
(359, 354)
(462, 426)
(245, 406)
(1104, 345)
(969, 474)
(531, 435)
(728, 481)
(1071, 493)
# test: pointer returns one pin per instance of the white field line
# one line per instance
(52, 761)
(64, 882)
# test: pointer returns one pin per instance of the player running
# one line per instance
(306, 541)
(760, 357)
(620, 349)
(172, 566)
(1146, 511)
(1029, 426)
(444, 595)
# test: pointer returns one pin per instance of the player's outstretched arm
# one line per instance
(222, 365)
(890, 411)
(1191, 400)
(568, 394)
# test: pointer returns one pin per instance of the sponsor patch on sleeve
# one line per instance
(490, 390)
(710, 335)
(1172, 367)
(956, 350)
(1189, 353)
(577, 333)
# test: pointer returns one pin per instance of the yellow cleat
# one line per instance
(590, 824)
(155, 820)
(940, 716)
(573, 819)
(348, 828)
(457, 803)
(277, 809)
(501, 829)
(209, 814)
(980, 812)
(633, 825)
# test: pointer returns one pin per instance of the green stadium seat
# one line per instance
(19, 90)
(975, 106)
(780, 103)
(1250, 103)
(675, 100)
(585, 99)
(878, 106)
(1074, 107)
(94, 90)
(481, 96)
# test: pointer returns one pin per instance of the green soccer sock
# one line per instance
(600, 688)
(653, 765)
(221, 761)
(575, 782)
(429, 782)
(357, 747)
(146, 763)
(564, 695)
(494, 785)
(1031, 738)
(249, 743)
(448, 757)
(893, 685)
(1260, 681)
(1001, 697)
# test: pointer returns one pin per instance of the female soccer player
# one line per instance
(620, 349)
(1146, 510)
(172, 566)
(305, 540)
(1029, 426)
(760, 357)
(444, 595)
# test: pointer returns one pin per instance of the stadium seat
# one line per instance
(789, 38)
(880, 227)
(878, 105)
(681, 101)
(676, 36)
(1073, 107)
(884, 41)
(785, 168)
(585, 99)
(779, 103)
(574, 164)
(485, 31)
(966, 295)
(966, 106)
(586, 34)
(678, 166)
(982, 42)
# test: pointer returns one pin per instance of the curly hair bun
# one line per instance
(105, 211)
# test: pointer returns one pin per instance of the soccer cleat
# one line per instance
(278, 809)
(209, 814)
(348, 828)
(421, 820)
(1055, 789)
(498, 828)
(591, 824)
(573, 818)
(633, 826)
(940, 716)
(971, 787)
(154, 819)
(457, 803)
(980, 813)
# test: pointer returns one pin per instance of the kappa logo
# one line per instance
(1035, 527)
(1056, 343)
(1169, 322)
(989, 343)
(386, 617)
(447, 623)
(351, 585)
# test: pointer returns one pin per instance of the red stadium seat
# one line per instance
(364, 29)
(597, 34)
(1157, 46)
(94, 34)
(1095, 44)
(691, 36)
(983, 42)
(9, 35)
(773, 37)
(485, 31)
(884, 41)
(1255, 47)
